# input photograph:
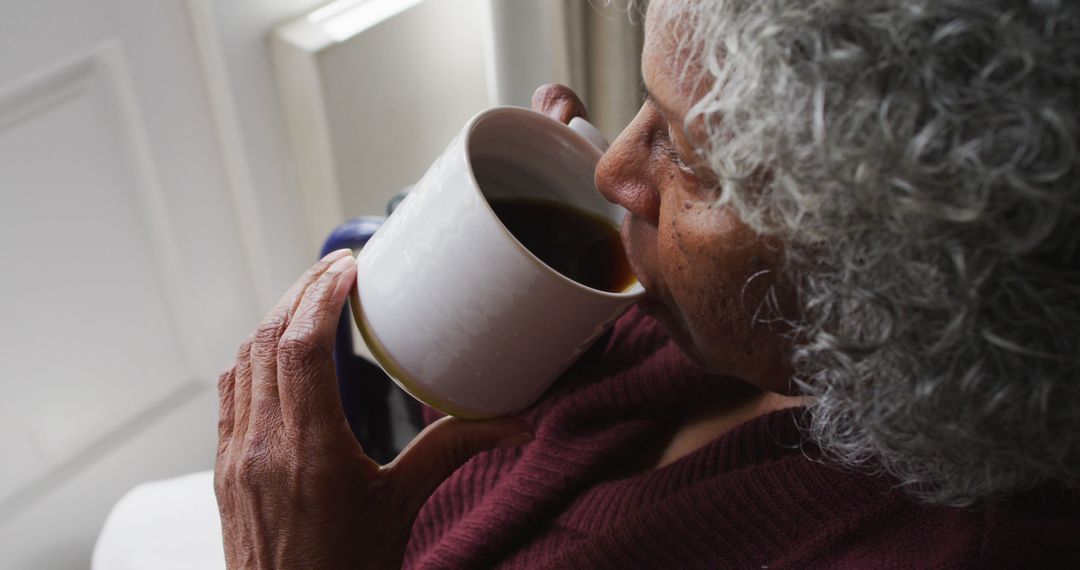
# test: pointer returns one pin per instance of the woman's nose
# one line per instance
(622, 176)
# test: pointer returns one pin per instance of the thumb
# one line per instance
(447, 444)
(558, 102)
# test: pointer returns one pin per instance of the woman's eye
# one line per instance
(673, 152)
(674, 156)
(669, 146)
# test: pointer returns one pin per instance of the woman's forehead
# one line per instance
(657, 55)
(671, 71)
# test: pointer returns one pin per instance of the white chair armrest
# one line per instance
(163, 525)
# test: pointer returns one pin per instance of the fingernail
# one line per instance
(336, 254)
(564, 108)
(514, 440)
(341, 265)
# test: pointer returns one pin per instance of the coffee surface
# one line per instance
(580, 245)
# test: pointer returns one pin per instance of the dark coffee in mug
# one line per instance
(538, 210)
(580, 245)
(459, 312)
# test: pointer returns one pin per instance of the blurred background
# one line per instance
(169, 167)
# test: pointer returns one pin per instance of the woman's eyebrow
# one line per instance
(647, 97)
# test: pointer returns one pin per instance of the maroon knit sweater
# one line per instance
(581, 495)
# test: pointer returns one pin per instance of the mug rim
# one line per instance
(634, 290)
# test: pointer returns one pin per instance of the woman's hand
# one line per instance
(294, 488)
(558, 102)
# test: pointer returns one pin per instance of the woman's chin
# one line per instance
(674, 328)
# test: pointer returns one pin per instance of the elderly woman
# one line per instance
(859, 226)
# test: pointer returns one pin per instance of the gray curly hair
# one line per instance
(919, 158)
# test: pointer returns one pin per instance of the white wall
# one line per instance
(373, 91)
(532, 44)
(233, 39)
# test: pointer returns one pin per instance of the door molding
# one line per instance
(230, 137)
(101, 72)
(46, 89)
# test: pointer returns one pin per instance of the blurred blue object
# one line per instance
(364, 387)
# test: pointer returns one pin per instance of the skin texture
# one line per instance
(691, 252)
(706, 272)
(294, 488)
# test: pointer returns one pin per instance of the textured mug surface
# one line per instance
(453, 307)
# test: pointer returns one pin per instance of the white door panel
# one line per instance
(95, 337)
(169, 99)
(123, 282)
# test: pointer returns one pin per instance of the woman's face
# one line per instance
(706, 272)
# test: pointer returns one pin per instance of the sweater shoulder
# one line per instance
(1036, 531)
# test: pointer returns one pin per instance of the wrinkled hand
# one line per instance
(558, 102)
(294, 488)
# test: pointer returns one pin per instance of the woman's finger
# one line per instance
(265, 405)
(241, 390)
(287, 304)
(558, 102)
(446, 445)
(226, 387)
(307, 382)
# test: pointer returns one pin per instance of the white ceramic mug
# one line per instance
(452, 306)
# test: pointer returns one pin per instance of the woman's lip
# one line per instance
(629, 248)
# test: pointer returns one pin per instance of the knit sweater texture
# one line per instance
(584, 494)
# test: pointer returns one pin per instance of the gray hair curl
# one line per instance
(921, 161)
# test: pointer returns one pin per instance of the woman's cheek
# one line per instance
(640, 242)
